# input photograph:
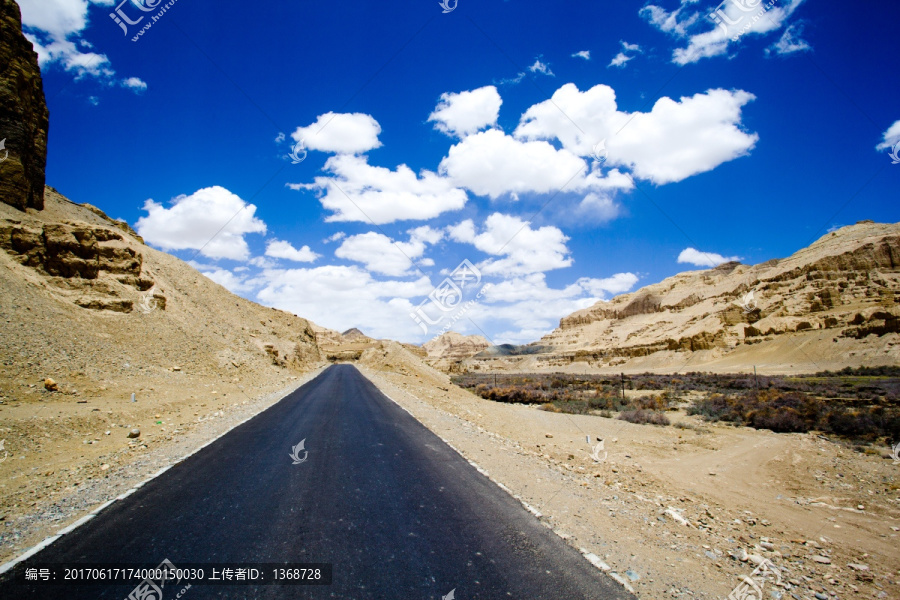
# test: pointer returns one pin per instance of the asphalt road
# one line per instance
(397, 512)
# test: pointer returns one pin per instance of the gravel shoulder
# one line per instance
(678, 513)
(61, 463)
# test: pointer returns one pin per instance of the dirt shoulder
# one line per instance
(64, 459)
(826, 516)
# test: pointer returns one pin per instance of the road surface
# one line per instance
(397, 512)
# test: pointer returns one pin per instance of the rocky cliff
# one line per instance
(830, 305)
(451, 347)
(24, 118)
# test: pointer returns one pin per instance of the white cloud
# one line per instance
(213, 219)
(585, 54)
(381, 254)
(596, 208)
(361, 192)
(236, 284)
(54, 28)
(675, 140)
(673, 22)
(530, 309)
(512, 80)
(789, 43)
(891, 137)
(617, 284)
(343, 133)
(619, 60)
(541, 67)
(491, 163)
(727, 24)
(282, 249)
(335, 237)
(524, 250)
(340, 297)
(623, 57)
(135, 83)
(467, 112)
(58, 18)
(698, 258)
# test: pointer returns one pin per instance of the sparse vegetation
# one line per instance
(582, 394)
(644, 416)
(860, 404)
(788, 412)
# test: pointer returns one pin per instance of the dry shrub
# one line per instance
(644, 416)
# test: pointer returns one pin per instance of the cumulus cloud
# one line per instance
(230, 280)
(340, 297)
(212, 220)
(282, 249)
(467, 112)
(491, 163)
(596, 208)
(381, 254)
(361, 192)
(342, 133)
(55, 27)
(724, 26)
(585, 54)
(891, 137)
(617, 284)
(530, 309)
(698, 258)
(523, 250)
(135, 83)
(675, 140)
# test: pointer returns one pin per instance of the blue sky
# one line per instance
(570, 151)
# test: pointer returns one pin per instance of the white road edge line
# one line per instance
(589, 556)
(47, 541)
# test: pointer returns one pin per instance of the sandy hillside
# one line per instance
(85, 303)
(827, 516)
(828, 306)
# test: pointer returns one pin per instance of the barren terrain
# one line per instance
(825, 515)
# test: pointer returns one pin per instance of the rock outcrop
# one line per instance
(24, 118)
(452, 347)
(833, 304)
